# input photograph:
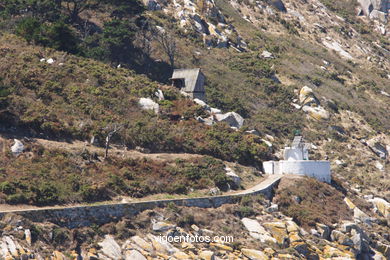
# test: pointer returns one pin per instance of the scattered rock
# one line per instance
(257, 231)
(231, 118)
(214, 191)
(254, 254)
(142, 243)
(267, 55)
(207, 255)
(272, 208)
(27, 235)
(161, 226)
(323, 230)
(200, 103)
(148, 104)
(17, 148)
(382, 206)
(110, 247)
(233, 176)
(134, 255)
(159, 94)
(379, 166)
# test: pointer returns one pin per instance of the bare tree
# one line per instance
(75, 7)
(144, 38)
(111, 131)
(168, 43)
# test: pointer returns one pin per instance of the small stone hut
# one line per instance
(190, 81)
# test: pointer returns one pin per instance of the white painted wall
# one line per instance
(293, 154)
(316, 169)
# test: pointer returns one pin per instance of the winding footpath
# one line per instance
(85, 215)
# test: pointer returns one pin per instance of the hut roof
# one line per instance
(191, 78)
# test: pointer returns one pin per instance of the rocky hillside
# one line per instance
(255, 228)
(87, 114)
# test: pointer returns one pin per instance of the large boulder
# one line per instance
(161, 226)
(233, 176)
(257, 231)
(134, 255)
(278, 230)
(110, 247)
(382, 206)
(306, 96)
(148, 104)
(378, 148)
(316, 112)
(370, 5)
(17, 148)
(254, 254)
(231, 118)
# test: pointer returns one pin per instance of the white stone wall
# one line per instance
(316, 169)
(295, 154)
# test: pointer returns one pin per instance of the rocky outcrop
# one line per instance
(310, 104)
(17, 148)
(233, 119)
(376, 9)
(148, 104)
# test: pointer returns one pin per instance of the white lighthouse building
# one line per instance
(296, 161)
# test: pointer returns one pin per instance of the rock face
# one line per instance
(17, 148)
(382, 206)
(161, 226)
(233, 176)
(110, 247)
(257, 231)
(134, 255)
(310, 104)
(148, 104)
(375, 9)
(278, 4)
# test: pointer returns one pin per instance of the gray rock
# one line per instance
(253, 132)
(233, 176)
(341, 238)
(214, 191)
(154, 6)
(257, 231)
(267, 55)
(231, 118)
(360, 244)
(159, 94)
(110, 247)
(324, 230)
(148, 104)
(379, 149)
(17, 148)
(134, 255)
(272, 208)
(161, 226)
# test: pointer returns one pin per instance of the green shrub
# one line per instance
(16, 199)
(7, 188)
(45, 193)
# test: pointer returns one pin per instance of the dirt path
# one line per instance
(268, 181)
(78, 146)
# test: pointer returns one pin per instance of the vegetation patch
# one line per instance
(309, 201)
